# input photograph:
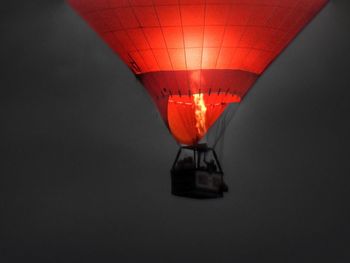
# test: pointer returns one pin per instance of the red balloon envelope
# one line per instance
(195, 57)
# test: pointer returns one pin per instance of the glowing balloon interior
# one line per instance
(195, 57)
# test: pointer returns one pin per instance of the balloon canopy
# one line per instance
(195, 57)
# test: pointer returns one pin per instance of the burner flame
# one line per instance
(200, 110)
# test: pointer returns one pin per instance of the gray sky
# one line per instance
(86, 158)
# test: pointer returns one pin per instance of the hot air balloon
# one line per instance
(196, 57)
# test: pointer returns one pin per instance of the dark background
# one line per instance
(85, 157)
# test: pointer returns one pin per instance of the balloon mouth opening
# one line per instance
(191, 116)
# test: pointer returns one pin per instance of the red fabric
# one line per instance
(193, 46)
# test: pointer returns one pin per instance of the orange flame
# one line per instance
(200, 110)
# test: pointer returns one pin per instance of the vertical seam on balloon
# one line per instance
(183, 43)
(251, 48)
(143, 32)
(171, 63)
(243, 33)
(166, 45)
(126, 32)
(146, 64)
(137, 49)
(222, 38)
(285, 33)
(151, 49)
(201, 62)
(106, 25)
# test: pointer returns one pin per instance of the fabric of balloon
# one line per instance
(195, 57)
